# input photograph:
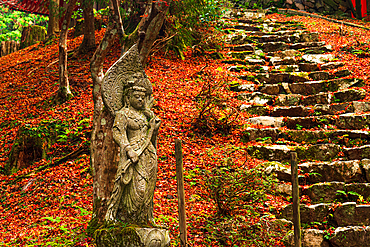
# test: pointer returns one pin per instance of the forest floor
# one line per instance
(52, 207)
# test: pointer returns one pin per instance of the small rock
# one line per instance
(309, 37)
(325, 192)
(256, 61)
(317, 58)
(299, 6)
(169, 196)
(361, 106)
(247, 87)
(308, 67)
(331, 65)
(255, 98)
(319, 75)
(342, 73)
(365, 163)
(288, 53)
(245, 47)
(310, 238)
(267, 121)
(320, 98)
(353, 236)
(271, 89)
(288, 100)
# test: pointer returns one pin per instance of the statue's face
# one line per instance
(137, 100)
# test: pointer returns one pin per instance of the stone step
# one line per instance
(309, 87)
(280, 45)
(345, 137)
(242, 26)
(316, 152)
(323, 98)
(341, 171)
(317, 110)
(303, 45)
(325, 215)
(309, 67)
(275, 78)
(281, 77)
(322, 103)
(327, 192)
(305, 111)
(323, 75)
(342, 96)
(342, 121)
(350, 171)
(317, 50)
(243, 47)
(314, 87)
(281, 153)
(351, 236)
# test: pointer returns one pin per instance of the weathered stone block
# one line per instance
(341, 171)
(121, 236)
(271, 89)
(353, 236)
(325, 192)
(310, 238)
(349, 95)
(319, 75)
(308, 67)
(251, 134)
(288, 100)
(350, 214)
(257, 98)
(320, 98)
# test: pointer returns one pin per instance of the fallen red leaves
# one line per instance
(58, 201)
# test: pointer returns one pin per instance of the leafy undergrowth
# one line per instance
(52, 207)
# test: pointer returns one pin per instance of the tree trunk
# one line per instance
(88, 42)
(53, 25)
(150, 25)
(104, 150)
(359, 9)
(64, 92)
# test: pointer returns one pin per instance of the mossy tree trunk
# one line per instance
(359, 9)
(64, 92)
(53, 25)
(88, 42)
(104, 151)
(150, 25)
(27, 148)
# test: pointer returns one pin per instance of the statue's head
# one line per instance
(124, 79)
(136, 97)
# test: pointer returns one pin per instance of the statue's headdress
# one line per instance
(126, 74)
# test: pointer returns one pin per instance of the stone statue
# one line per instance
(127, 93)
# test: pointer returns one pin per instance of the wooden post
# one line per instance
(295, 194)
(180, 192)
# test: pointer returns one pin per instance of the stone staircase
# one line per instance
(301, 100)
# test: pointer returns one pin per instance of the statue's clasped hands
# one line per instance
(132, 155)
(155, 123)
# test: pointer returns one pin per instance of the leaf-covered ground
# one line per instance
(54, 206)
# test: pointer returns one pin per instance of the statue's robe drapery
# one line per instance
(134, 190)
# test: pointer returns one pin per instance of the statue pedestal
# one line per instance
(130, 236)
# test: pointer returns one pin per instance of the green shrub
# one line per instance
(12, 23)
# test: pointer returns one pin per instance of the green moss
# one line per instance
(35, 34)
(116, 235)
